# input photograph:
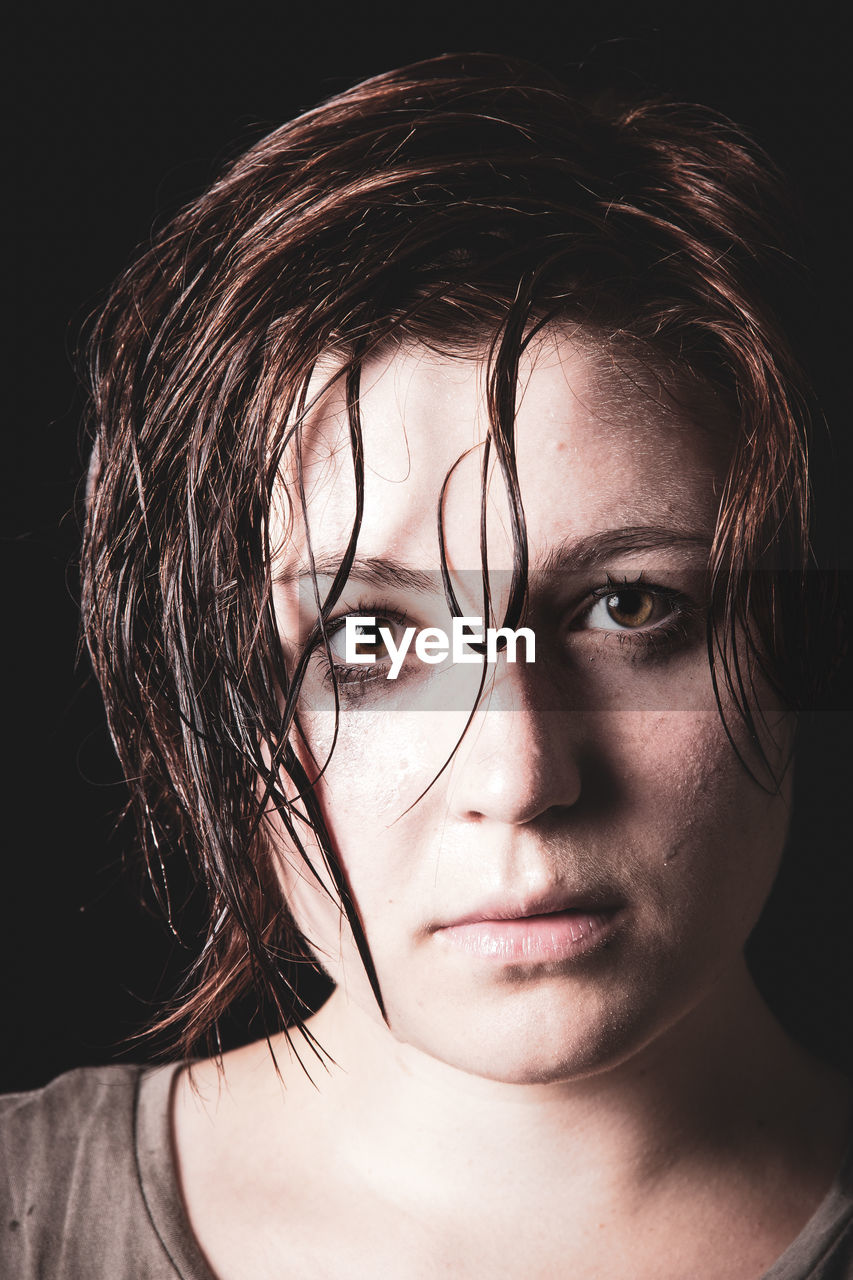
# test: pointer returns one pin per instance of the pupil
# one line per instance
(631, 608)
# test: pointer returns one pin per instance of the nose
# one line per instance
(520, 756)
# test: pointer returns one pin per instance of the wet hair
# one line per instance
(465, 200)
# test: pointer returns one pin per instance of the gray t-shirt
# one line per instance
(89, 1189)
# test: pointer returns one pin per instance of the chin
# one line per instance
(536, 1040)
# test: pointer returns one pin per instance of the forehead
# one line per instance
(601, 441)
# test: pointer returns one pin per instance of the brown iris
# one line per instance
(630, 607)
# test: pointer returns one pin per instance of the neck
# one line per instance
(723, 1079)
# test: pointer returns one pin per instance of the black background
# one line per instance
(115, 116)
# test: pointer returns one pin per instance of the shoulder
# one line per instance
(71, 1196)
(43, 1134)
(824, 1248)
(79, 1094)
(833, 1225)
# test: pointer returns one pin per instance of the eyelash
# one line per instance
(659, 636)
(353, 681)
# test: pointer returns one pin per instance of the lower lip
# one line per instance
(561, 935)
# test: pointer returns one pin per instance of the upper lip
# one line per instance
(555, 900)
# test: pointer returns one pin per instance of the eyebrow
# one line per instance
(594, 548)
(582, 553)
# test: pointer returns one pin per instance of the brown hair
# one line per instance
(465, 195)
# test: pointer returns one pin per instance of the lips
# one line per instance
(540, 931)
(555, 902)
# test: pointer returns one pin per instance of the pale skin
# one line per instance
(633, 1109)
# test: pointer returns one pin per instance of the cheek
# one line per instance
(681, 767)
(376, 766)
(711, 837)
(685, 761)
(380, 765)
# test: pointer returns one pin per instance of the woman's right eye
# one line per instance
(369, 642)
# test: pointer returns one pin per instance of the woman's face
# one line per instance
(547, 888)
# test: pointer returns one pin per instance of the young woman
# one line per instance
(445, 576)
